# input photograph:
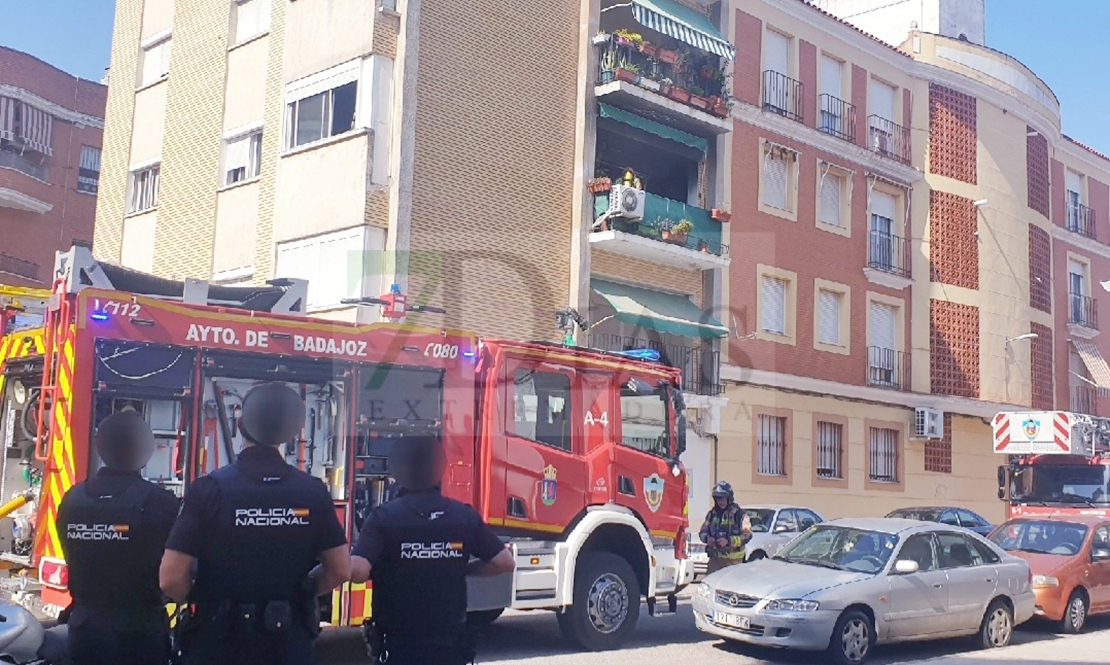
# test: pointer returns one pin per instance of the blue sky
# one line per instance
(1057, 45)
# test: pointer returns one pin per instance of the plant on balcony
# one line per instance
(697, 97)
(678, 233)
(667, 56)
(628, 71)
(649, 49)
(719, 107)
(602, 38)
(629, 39)
(600, 185)
(722, 216)
(679, 95)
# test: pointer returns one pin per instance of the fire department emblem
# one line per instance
(1031, 428)
(549, 486)
(653, 491)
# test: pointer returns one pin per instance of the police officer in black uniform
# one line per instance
(254, 530)
(113, 529)
(416, 549)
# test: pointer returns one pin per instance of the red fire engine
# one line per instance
(1059, 463)
(571, 454)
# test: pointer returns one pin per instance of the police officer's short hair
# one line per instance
(417, 462)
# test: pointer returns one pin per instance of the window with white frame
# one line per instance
(830, 450)
(778, 166)
(833, 109)
(773, 306)
(771, 446)
(883, 455)
(832, 195)
(243, 157)
(155, 61)
(252, 18)
(883, 365)
(88, 175)
(143, 188)
(828, 312)
(321, 109)
(334, 264)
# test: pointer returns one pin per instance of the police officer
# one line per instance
(113, 529)
(417, 549)
(726, 530)
(254, 530)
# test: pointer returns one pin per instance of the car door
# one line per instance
(971, 580)
(1098, 577)
(783, 530)
(918, 602)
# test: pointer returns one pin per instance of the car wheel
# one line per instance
(1076, 615)
(606, 603)
(998, 625)
(852, 638)
(757, 555)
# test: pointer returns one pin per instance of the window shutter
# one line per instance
(831, 77)
(882, 100)
(774, 181)
(831, 184)
(883, 205)
(777, 53)
(90, 158)
(774, 305)
(828, 304)
(883, 326)
(237, 154)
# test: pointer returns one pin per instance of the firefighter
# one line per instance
(113, 529)
(417, 549)
(726, 530)
(254, 531)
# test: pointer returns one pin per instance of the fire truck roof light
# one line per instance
(642, 354)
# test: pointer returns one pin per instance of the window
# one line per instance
(882, 101)
(828, 324)
(773, 314)
(885, 245)
(771, 446)
(832, 194)
(644, 418)
(252, 18)
(143, 189)
(777, 167)
(830, 450)
(883, 454)
(833, 108)
(776, 53)
(884, 368)
(786, 522)
(1080, 309)
(335, 264)
(970, 519)
(88, 175)
(322, 115)
(806, 518)
(958, 551)
(919, 549)
(155, 61)
(243, 157)
(542, 407)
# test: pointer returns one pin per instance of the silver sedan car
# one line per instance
(846, 585)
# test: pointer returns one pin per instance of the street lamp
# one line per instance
(1021, 337)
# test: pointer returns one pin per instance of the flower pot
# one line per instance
(607, 76)
(601, 40)
(600, 185)
(627, 43)
(649, 50)
(679, 95)
(699, 102)
(719, 107)
(665, 89)
(667, 56)
(626, 75)
(674, 238)
(722, 216)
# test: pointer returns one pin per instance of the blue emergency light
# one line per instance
(98, 316)
(650, 355)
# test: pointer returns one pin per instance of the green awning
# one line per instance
(654, 310)
(682, 23)
(652, 127)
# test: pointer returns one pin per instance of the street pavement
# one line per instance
(532, 638)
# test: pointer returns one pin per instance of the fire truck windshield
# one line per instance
(1082, 484)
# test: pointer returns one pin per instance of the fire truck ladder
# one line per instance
(1094, 432)
(55, 340)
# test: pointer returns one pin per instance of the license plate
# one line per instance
(731, 620)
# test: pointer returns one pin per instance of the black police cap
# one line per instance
(273, 413)
(417, 463)
(124, 441)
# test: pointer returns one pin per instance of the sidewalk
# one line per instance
(1035, 647)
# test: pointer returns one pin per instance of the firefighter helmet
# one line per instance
(273, 413)
(723, 491)
(417, 462)
(124, 441)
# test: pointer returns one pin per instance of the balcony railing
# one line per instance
(782, 95)
(888, 138)
(660, 216)
(14, 160)
(887, 368)
(700, 366)
(1083, 311)
(838, 117)
(888, 253)
(1084, 399)
(1081, 220)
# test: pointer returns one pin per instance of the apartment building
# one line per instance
(50, 137)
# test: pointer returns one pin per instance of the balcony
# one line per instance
(838, 118)
(23, 183)
(651, 238)
(30, 167)
(700, 366)
(1082, 316)
(889, 139)
(1081, 220)
(782, 95)
(888, 260)
(1084, 399)
(887, 368)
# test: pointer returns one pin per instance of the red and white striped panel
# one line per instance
(1061, 430)
(1061, 427)
(1001, 431)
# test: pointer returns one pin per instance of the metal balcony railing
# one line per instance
(700, 366)
(888, 138)
(887, 368)
(888, 253)
(1083, 311)
(14, 160)
(1081, 220)
(838, 117)
(662, 214)
(1084, 399)
(782, 95)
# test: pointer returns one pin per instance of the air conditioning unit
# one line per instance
(627, 202)
(928, 423)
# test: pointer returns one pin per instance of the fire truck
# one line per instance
(571, 454)
(1058, 462)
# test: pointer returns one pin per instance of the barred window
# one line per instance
(88, 175)
(771, 446)
(144, 189)
(830, 450)
(883, 455)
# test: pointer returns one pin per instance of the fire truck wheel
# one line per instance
(606, 603)
(483, 618)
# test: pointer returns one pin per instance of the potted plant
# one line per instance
(602, 38)
(665, 87)
(722, 216)
(697, 98)
(679, 95)
(649, 49)
(678, 233)
(666, 55)
(599, 185)
(628, 71)
(629, 39)
(718, 106)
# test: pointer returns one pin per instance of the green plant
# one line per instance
(634, 37)
(630, 66)
(696, 90)
(684, 227)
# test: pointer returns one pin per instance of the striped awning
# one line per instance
(1093, 360)
(7, 118)
(34, 127)
(682, 23)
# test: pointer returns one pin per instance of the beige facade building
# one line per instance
(841, 240)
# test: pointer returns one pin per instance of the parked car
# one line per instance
(849, 584)
(946, 515)
(695, 550)
(1070, 559)
(774, 525)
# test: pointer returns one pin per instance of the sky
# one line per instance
(1057, 44)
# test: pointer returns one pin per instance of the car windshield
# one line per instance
(841, 548)
(1076, 484)
(761, 519)
(1041, 537)
(921, 514)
